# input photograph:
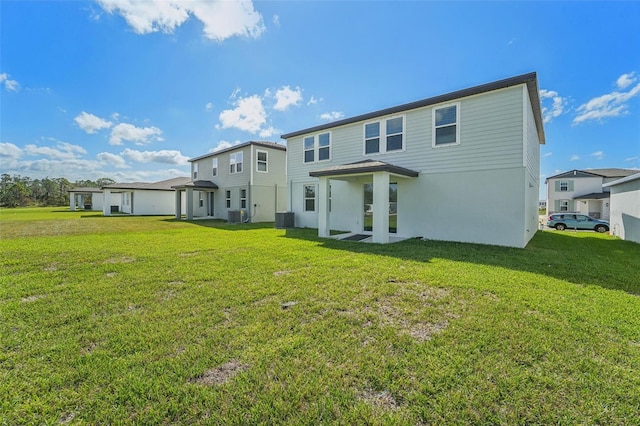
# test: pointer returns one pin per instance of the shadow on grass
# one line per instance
(223, 224)
(580, 258)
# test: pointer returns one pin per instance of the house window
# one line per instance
(243, 198)
(195, 170)
(317, 147)
(228, 198)
(564, 205)
(392, 128)
(200, 200)
(564, 186)
(309, 198)
(214, 169)
(261, 161)
(446, 129)
(235, 162)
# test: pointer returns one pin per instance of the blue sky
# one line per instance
(130, 90)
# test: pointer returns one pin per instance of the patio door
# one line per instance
(392, 209)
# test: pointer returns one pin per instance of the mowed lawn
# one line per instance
(145, 320)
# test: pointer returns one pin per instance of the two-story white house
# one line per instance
(583, 191)
(248, 179)
(463, 166)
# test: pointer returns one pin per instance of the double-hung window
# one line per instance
(243, 198)
(564, 205)
(317, 148)
(309, 198)
(261, 161)
(214, 167)
(235, 162)
(446, 125)
(227, 195)
(195, 170)
(384, 136)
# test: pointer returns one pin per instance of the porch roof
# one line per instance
(197, 184)
(593, 196)
(366, 166)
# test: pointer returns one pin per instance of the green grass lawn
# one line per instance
(145, 320)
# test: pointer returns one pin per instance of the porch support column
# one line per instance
(178, 201)
(106, 202)
(381, 207)
(72, 201)
(323, 208)
(189, 203)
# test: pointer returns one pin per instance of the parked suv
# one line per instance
(562, 221)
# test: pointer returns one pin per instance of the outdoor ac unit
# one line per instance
(284, 220)
(234, 216)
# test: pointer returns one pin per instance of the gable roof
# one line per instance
(606, 173)
(264, 144)
(530, 79)
(163, 185)
(635, 176)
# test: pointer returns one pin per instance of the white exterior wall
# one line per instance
(483, 190)
(625, 210)
(153, 203)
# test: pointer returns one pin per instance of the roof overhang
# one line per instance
(197, 184)
(593, 196)
(363, 168)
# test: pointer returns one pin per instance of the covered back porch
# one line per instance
(189, 188)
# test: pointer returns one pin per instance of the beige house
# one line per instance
(243, 183)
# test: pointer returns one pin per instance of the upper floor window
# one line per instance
(214, 168)
(261, 161)
(564, 185)
(446, 125)
(393, 131)
(235, 162)
(317, 148)
(195, 170)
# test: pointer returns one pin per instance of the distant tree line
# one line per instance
(20, 191)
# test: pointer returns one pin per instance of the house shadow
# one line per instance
(223, 224)
(584, 259)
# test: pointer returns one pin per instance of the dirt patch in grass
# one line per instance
(110, 274)
(220, 374)
(380, 399)
(278, 273)
(121, 259)
(53, 267)
(189, 254)
(33, 298)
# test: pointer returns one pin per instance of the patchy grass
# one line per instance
(148, 320)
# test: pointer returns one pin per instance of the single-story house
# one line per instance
(142, 198)
(625, 207)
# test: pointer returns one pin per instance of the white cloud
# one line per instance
(91, 123)
(9, 84)
(62, 151)
(208, 106)
(556, 108)
(632, 158)
(626, 80)
(548, 154)
(333, 115)
(248, 115)
(312, 101)
(276, 20)
(574, 157)
(285, 97)
(612, 104)
(599, 155)
(113, 160)
(163, 156)
(138, 135)
(269, 132)
(9, 150)
(224, 145)
(222, 19)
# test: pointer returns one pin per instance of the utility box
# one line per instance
(115, 209)
(87, 206)
(234, 216)
(285, 220)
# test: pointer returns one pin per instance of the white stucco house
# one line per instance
(625, 207)
(463, 166)
(583, 191)
(246, 182)
(141, 198)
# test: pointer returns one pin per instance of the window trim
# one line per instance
(227, 198)
(305, 198)
(266, 161)
(560, 205)
(434, 127)
(214, 167)
(383, 135)
(566, 183)
(316, 148)
(243, 198)
(233, 161)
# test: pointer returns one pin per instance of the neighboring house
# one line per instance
(86, 198)
(625, 207)
(582, 191)
(462, 166)
(542, 204)
(141, 198)
(247, 180)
